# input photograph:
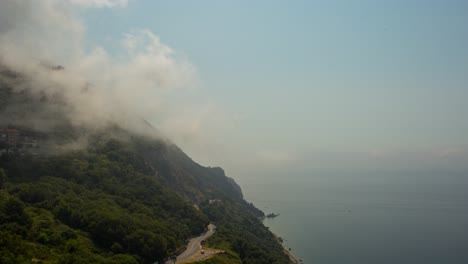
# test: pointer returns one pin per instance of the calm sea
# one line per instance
(341, 218)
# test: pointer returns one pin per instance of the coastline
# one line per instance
(294, 259)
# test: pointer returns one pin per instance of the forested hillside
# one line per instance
(91, 206)
(104, 194)
(109, 205)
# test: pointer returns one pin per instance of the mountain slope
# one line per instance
(105, 194)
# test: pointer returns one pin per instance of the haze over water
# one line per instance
(270, 90)
(334, 218)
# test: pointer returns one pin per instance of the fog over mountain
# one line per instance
(44, 42)
(304, 114)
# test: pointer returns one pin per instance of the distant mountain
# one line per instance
(71, 193)
(187, 177)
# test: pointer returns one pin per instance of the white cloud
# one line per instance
(277, 157)
(100, 3)
(450, 152)
(135, 86)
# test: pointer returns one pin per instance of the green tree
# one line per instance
(2, 178)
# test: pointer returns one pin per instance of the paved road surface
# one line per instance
(194, 245)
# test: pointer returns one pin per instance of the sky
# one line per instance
(306, 85)
(325, 84)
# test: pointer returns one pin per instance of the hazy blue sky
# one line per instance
(313, 84)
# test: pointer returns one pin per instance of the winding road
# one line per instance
(194, 245)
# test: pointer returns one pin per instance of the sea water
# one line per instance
(372, 217)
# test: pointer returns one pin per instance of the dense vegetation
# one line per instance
(115, 203)
(241, 231)
(121, 198)
(90, 207)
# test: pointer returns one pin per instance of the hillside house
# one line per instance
(13, 140)
(8, 137)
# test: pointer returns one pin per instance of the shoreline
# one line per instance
(294, 259)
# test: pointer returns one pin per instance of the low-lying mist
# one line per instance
(53, 74)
